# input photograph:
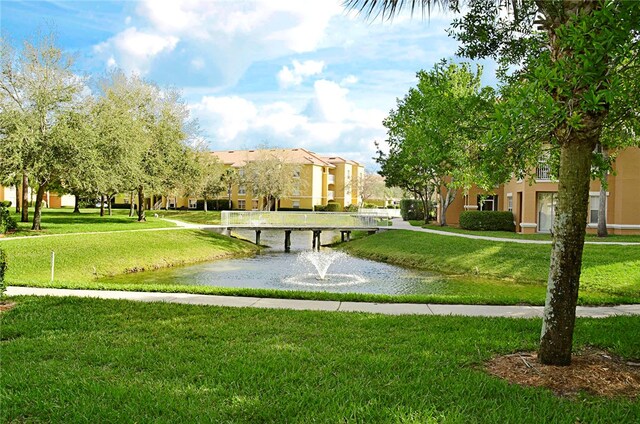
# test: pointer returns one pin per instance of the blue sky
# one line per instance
(285, 73)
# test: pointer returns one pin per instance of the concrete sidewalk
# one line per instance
(322, 305)
(404, 225)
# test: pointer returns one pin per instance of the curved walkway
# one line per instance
(324, 305)
(404, 225)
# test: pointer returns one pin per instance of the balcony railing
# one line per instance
(543, 172)
(331, 179)
(330, 195)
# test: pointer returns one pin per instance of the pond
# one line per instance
(296, 270)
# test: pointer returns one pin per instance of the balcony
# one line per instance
(330, 195)
(543, 172)
(331, 179)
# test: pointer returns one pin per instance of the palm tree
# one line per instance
(493, 30)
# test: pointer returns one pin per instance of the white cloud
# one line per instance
(111, 62)
(349, 80)
(327, 121)
(135, 49)
(197, 63)
(300, 70)
(127, 20)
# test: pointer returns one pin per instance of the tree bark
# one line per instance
(37, 214)
(102, 205)
(566, 254)
(445, 202)
(425, 205)
(602, 201)
(17, 196)
(25, 198)
(131, 205)
(141, 215)
(76, 204)
(205, 204)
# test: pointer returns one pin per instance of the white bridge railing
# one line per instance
(263, 219)
(380, 212)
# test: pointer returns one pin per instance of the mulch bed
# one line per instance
(592, 371)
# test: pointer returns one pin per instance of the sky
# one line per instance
(278, 73)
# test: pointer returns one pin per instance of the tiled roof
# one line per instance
(238, 158)
(338, 159)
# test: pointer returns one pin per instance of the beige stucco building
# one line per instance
(322, 179)
(533, 204)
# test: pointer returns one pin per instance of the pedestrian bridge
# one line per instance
(345, 222)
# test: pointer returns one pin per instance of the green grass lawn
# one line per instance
(82, 258)
(195, 217)
(607, 271)
(85, 360)
(62, 221)
(537, 236)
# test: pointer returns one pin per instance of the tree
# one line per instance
(577, 59)
(208, 178)
(271, 176)
(39, 88)
(371, 186)
(436, 129)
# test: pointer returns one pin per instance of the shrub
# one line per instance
(3, 268)
(7, 223)
(487, 221)
(318, 208)
(213, 205)
(333, 207)
(5, 203)
(351, 208)
(411, 209)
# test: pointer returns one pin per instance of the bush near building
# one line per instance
(411, 209)
(3, 268)
(487, 221)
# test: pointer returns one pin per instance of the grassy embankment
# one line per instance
(64, 221)
(610, 274)
(537, 236)
(133, 362)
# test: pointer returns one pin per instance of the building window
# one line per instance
(172, 202)
(296, 204)
(296, 191)
(488, 203)
(594, 205)
(242, 204)
(241, 172)
(254, 204)
(546, 211)
(296, 173)
(242, 190)
(510, 203)
(126, 200)
(193, 203)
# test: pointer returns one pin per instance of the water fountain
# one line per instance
(321, 262)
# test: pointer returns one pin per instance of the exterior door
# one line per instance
(546, 211)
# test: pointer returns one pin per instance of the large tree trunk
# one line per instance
(131, 205)
(425, 205)
(141, 215)
(76, 204)
(445, 202)
(102, 205)
(25, 198)
(17, 196)
(566, 255)
(42, 188)
(602, 201)
(205, 204)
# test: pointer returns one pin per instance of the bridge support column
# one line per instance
(287, 240)
(316, 240)
(258, 236)
(348, 235)
(342, 236)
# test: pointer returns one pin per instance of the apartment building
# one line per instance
(534, 204)
(318, 180)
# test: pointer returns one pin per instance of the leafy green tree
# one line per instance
(434, 133)
(271, 177)
(577, 62)
(207, 180)
(39, 88)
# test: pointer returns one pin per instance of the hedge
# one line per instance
(411, 209)
(487, 221)
(7, 223)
